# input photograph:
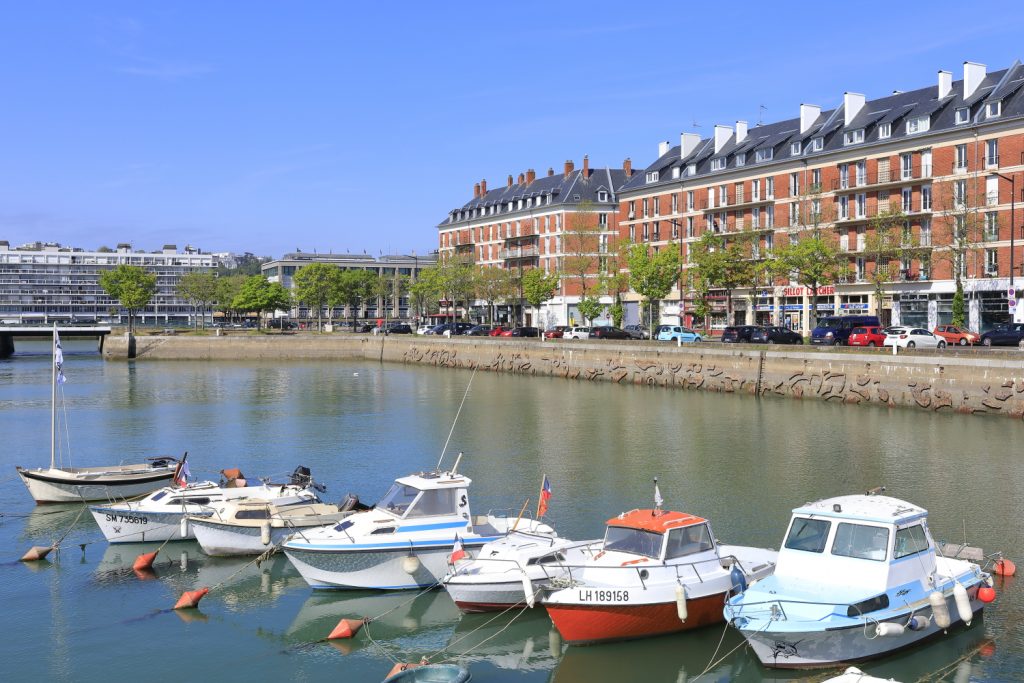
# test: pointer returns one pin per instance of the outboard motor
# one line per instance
(301, 476)
(350, 503)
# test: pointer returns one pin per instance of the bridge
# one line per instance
(9, 332)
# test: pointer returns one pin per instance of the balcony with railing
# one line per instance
(879, 178)
(519, 253)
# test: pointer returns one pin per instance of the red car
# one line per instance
(504, 332)
(555, 332)
(866, 336)
(498, 331)
(955, 335)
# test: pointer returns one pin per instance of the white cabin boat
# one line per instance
(404, 542)
(857, 577)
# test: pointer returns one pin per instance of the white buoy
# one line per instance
(889, 629)
(410, 563)
(265, 533)
(183, 527)
(681, 602)
(555, 643)
(963, 603)
(531, 599)
(940, 611)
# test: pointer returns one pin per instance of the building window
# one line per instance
(675, 204)
(656, 234)
(602, 196)
(769, 242)
(962, 116)
(906, 166)
(992, 152)
(645, 208)
(769, 188)
(675, 229)
(884, 131)
(862, 203)
(657, 206)
(632, 233)
(860, 268)
(794, 214)
(862, 173)
(765, 154)
(991, 226)
(991, 262)
(794, 149)
(816, 180)
(645, 233)
(769, 218)
(723, 195)
(844, 176)
(853, 137)
(631, 214)
(602, 220)
(907, 197)
(794, 184)
(960, 164)
(918, 124)
(718, 164)
(689, 226)
(844, 207)
(993, 109)
(926, 198)
(741, 160)
(925, 238)
(817, 144)
(926, 163)
(960, 194)
(689, 200)
(652, 176)
(691, 169)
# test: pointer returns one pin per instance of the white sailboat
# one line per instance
(55, 484)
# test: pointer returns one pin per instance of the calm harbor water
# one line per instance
(742, 463)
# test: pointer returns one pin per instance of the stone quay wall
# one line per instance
(969, 382)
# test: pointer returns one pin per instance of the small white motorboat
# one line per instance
(250, 526)
(858, 577)
(163, 515)
(404, 542)
(513, 570)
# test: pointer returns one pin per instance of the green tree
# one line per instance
(227, 289)
(353, 287)
(425, 291)
(538, 287)
(132, 286)
(455, 276)
(491, 285)
(885, 243)
(723, 261)
(590, 307)
(314, 284)
(388, 289)
(652, 275)
(259, 294)
(959, 230)
(200, 290)
(813, 259)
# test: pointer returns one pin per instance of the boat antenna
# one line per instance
(455, 421)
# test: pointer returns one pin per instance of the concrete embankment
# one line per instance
(971, 383)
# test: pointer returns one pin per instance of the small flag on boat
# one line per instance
(181, 473)
(658, 500)
(58, 357)
(545, 496)
(458, 551)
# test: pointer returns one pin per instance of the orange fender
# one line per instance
(144, 561)
(36, 553)
(346, 628)
(190, 599)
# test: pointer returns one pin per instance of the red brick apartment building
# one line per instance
(947, 156)
(541, 222)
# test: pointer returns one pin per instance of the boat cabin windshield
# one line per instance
(406, 501)
(861, 541)
(635, 541)
(688, 541)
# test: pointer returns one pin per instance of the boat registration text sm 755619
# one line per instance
(126, 519)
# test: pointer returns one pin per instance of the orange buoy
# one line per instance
(986, 594)
(346, 628)
(399, 667)
(144, 561)
(36, 553)
(191, 599)
(1004, 567)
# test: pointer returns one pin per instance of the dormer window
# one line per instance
(817, 144)
(963, 115)
(765, 154)
(884, 131)
(918, 124)
(602, 196)
(993, 109)
(718, 164)
(652, 176)
(794, 149)
(691, 169)
(675, 172)
(741, 160)
(853, 137)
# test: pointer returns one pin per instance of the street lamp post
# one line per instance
(1013, 216)
(679, 235)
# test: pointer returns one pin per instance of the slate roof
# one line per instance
(893, 109)
(552, 192)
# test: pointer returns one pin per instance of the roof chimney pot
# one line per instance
(687, 143)
(809, 113)
(853, 103)
(627, 167)
(586, 166)
(722, 135)
(945, 83)
(974, 74)
(569, 166)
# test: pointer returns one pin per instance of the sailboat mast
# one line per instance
(53, 402)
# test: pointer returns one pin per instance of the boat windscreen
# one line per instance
(635, 541)
(398, 499)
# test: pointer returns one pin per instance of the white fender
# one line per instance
(963, 603)
(410, 563)
(265, 533)
(531, 599)
(681, 602)
(940, 611)
(889, 629)
(183, 527)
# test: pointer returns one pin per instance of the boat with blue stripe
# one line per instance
(404, 542)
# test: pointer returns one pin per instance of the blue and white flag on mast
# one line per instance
(58, 358)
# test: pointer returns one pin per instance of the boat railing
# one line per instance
(642, 570)
(517, 565)
(775, 610)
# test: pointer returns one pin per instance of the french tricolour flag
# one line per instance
(458, 551)
(545, 496)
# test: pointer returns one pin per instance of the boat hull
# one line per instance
(817, 649)
(134, 526)
(582, 624)
(488, 597)
(45, 487)
(224, 540)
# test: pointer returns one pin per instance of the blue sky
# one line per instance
(272, 126)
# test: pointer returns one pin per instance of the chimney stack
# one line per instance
(945, 83)
(476, 190)
(586, 166)
(522, 178)
(483, 187)
(663, 148)
(627, 167)
(551, 171)
(741, 131)
(853, 103)
(809, 113)
(568, 167)
(722, 135)
(509, 180)
(531, 175)
(687, 143)
(974, 74)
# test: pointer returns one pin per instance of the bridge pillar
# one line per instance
(6, 345)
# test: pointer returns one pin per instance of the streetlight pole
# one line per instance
(1013, 216)
(679, 235)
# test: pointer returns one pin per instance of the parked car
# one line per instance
(555, 332)
(524, 332)
(608, 332)
(736, 334)
(424, 329)
(956, 335)
(576, 333)
(365, 327)
(866, 336)
(279, 324)
(677, 333)
(913, 337)
(636, 331)
(497, 331)
(453, 328)
(1009, 334)
(773, 334)
(398, 328)
(834, 330)
(478, 331)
